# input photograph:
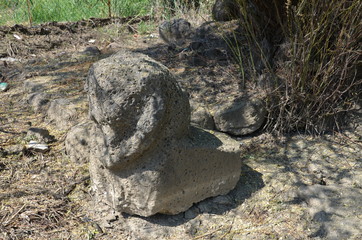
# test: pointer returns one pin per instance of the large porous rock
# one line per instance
(241, 117)
(136, 102)
(144, 156)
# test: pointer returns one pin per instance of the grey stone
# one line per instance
(40, 134)
(214, 53)
(195, 45)
(62, 113)
(240, 118)
(92, 51)
(171, 179)
(145, 158)
(39, 101)
(31, 86)
(191, 213)
(201, 116)
(196, 60)
(175, 32)
(77, 142)
(134, 102)
(225, 10)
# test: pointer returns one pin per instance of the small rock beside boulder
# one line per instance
(77, 142)
(92, 51)
(242, 117)
(238, 118)
(39, 139)
(201, 116)
(145, 158)
(40, 135)
(39, 101)
(176, 32)
(63, 113)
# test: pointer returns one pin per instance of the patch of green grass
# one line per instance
(16, 11)
(62, 10)
(132, 8)
(146, 27)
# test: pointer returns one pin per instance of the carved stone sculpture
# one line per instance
(144, 156)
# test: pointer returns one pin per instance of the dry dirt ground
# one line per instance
(291, 187)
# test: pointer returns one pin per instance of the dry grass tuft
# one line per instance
(314, 75)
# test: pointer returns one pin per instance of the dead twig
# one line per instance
(8, 221)
(229, 229)
(56, 230)
(227, 232)
(11, 51)
(209, 233)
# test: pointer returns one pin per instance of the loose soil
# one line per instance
(291, 187)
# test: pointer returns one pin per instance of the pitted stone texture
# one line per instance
(144, 156)
(240, 118)
(135, 102)
(171, 177)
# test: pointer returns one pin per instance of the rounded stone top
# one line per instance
(136, 102)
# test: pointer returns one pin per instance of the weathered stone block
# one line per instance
(144, 156)
(240, 118)
(170, 178)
